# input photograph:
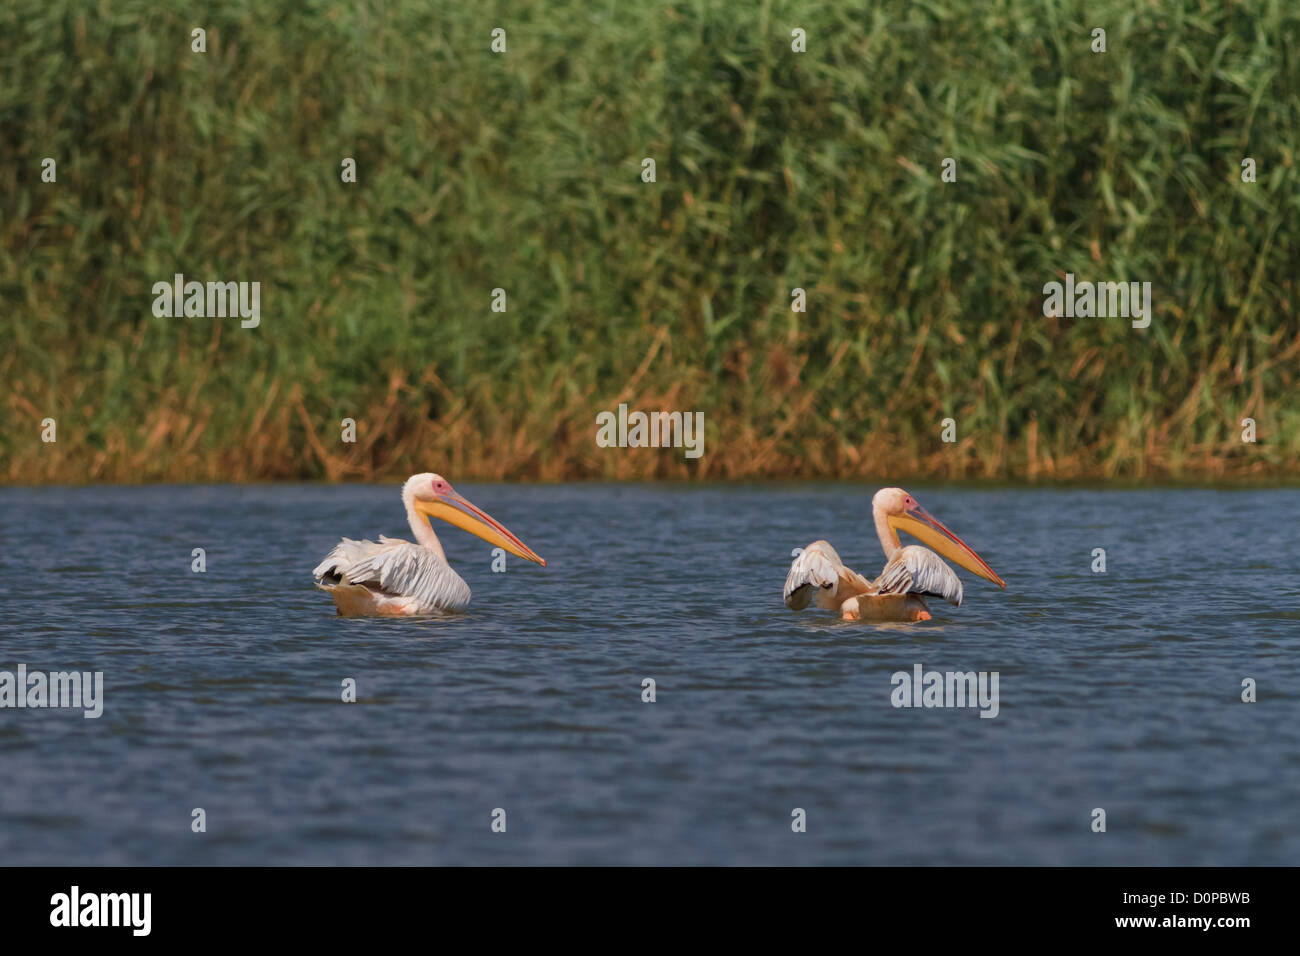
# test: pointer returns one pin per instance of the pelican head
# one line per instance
(433, 496)
(902, 513)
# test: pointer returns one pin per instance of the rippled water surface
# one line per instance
(222, 689)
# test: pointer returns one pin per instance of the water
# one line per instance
(222, 690)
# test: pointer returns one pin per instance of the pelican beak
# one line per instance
(455, 510)
(926, 528)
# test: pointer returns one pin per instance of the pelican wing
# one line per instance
(918, 570)
(395, 567)
(818, 570)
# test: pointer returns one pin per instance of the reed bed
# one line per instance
(775, 170)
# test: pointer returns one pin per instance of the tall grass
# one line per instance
(775, 170)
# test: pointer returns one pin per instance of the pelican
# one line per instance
(395, 578)
(911, 573)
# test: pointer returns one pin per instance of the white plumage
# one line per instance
(818, 571)
(918, 570)
(413, 577)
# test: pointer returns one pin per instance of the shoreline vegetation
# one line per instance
(776, 171)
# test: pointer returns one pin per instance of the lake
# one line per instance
(222, 689)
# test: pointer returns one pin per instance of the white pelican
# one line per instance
(910, 572)
(398, 578)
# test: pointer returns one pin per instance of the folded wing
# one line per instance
(918, 570)
(396, 567)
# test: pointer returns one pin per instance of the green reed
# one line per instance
(775, 170)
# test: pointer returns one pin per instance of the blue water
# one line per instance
(222, 689)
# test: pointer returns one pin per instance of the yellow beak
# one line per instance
(930, 531)
(456, 510)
